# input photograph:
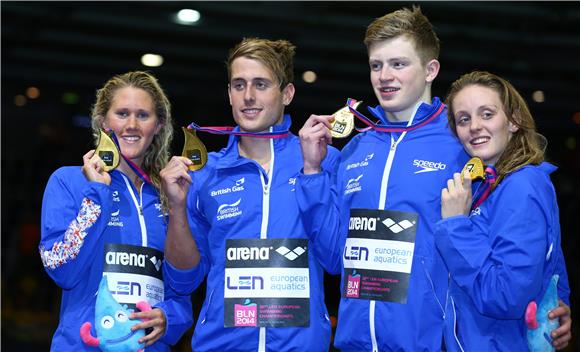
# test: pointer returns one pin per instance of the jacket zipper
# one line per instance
(266, 189)
(139, 207)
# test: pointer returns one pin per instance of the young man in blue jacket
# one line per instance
(237, 220)
(376, 217)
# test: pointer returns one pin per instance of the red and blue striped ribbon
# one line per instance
(485, 187)
(382, 128)
(138, 171)
(228, 130)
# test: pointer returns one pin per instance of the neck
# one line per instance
(257, 149)
(128, 171)
(409, 113)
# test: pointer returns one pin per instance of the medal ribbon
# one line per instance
(138, 171)
(383, 128)
(227, 130)
(484, 188)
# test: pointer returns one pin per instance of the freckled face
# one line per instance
(482, 125)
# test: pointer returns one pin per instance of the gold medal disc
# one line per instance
(194, 150)
(343, 123)
(475, 168)
(108, 152)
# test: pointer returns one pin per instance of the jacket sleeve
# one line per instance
(185, 281)
(75, 213)
(318, 202)
(502, 271)
(179, 314)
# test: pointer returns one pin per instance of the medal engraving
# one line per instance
(194, 150)
(475, 168)
(343, 123)
(108, 152)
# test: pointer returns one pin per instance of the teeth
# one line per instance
(388, 89)
(131, 138)
(479, 140)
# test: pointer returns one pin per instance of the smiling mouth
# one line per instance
(479, 140)
(388, 89)
(120, 339)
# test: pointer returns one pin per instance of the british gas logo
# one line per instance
(237, 187)
(362, 163)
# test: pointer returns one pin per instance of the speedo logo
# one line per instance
(226, 211)
(248, 253)
(362, 163)
(428, 166)
(126, 259)
(237, 187)
(353, 185)
(291, 254)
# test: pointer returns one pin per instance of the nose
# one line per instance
(132, 121)
(386, 74)
(249, 94)
(475, 124)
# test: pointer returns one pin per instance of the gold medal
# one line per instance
(194, 150)
(343, 123)
(108, 152)
(475, 168)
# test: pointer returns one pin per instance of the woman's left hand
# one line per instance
(456, 198)
(563, 334)
(156, 320)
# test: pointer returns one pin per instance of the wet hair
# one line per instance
(158, 153)
(276, 55)
(525, 146)
(409, 23)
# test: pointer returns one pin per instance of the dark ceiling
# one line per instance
(75, 46)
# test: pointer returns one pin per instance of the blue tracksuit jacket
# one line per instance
(78, 219)
(397, 171)
(501, 257)
(265, 208)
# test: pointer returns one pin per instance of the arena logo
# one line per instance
(363, 223)
(248, 253)
(125, 259)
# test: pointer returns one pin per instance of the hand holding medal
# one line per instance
(108, 151)
(343, 123)
(475, 169)
(194, 150)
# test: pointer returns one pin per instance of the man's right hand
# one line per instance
(314, 138)
(175, 181)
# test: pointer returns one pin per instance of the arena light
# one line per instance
(152, 60)
(309, 76)
(187, 17)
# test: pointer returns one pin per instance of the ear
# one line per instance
(104, 124)
(230, 93)
(512, 127)
(432, 70)
(288, 94)
(158, 128)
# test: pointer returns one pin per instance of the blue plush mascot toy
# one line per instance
(539, 326)
(113, 325)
